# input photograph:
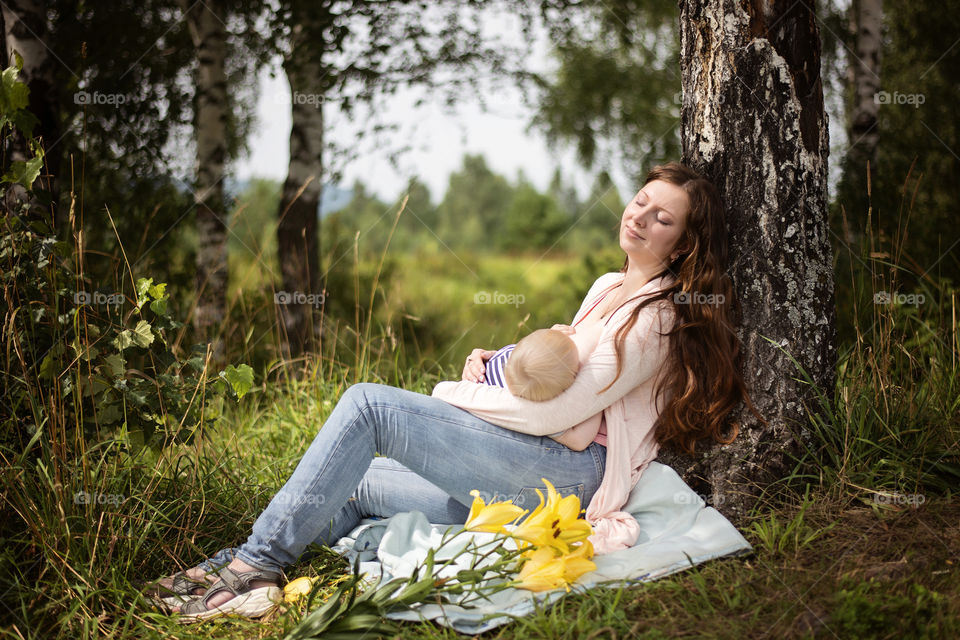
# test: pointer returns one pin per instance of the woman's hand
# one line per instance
(476, 367)
(564, 328)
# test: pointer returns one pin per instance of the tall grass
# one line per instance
(891, 426)
(85, 519)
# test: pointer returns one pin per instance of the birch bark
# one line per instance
(297, 230)
(753, 122)
(208, 32)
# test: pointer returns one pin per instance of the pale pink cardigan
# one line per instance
(628, 405)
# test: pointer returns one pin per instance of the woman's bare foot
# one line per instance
(237, 566)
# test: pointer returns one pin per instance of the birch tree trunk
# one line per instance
(205, 21)
(753, 122)
(24, 28)
(297, 233)
(866, 22)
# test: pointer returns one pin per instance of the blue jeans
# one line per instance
(435, 454)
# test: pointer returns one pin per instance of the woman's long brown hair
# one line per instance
(701, 375)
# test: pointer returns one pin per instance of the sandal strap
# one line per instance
(239, 583)
(183, 585)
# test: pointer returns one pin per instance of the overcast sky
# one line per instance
(438, 137)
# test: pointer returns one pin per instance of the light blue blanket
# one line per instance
(678, 531)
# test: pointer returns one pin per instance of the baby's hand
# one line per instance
(564, 328)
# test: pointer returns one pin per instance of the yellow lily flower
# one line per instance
(545, 569)
(491, 518)
(578, 562)
(297, 589)
(542, 571)
(555, 522)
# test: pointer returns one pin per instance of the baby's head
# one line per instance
(542, 366)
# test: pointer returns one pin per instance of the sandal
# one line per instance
(247, 602)
(181, 592)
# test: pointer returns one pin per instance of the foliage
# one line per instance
(533, 220)
(103, 361)
(124, 105)
(778, 535)
(864, 610)
(912, 180)
(107, 356)
(616, 92)
(472, 213)
(597, 220)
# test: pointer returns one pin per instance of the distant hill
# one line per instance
(334, 197)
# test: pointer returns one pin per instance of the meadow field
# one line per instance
(863, 541)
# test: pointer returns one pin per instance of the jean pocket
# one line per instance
(527, 498)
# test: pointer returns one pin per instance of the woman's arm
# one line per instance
(579, 437)
(643, 354)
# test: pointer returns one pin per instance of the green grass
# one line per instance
(870, 549)
(825, 567)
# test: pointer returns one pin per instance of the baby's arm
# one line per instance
(580, 436)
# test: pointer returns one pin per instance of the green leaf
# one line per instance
(142, 335)
(159, 307)
(143, 286)
(14, 100)
(48, 364)
(158, 291)
(239, 378)
(24, 173)
(123, 340)
(109, 414)
(116, 365)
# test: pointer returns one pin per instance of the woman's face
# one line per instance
(653, 224)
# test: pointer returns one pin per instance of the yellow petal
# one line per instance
(296, 589)
(583, 550)
(542, 571)
(574, 531)
(476, 506)
(569, 508)
(573, 568)
(552, 496)
(492, 517)
(533, 533)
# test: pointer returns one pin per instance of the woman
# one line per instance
(656, 341)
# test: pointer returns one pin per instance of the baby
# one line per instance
(542, 366)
